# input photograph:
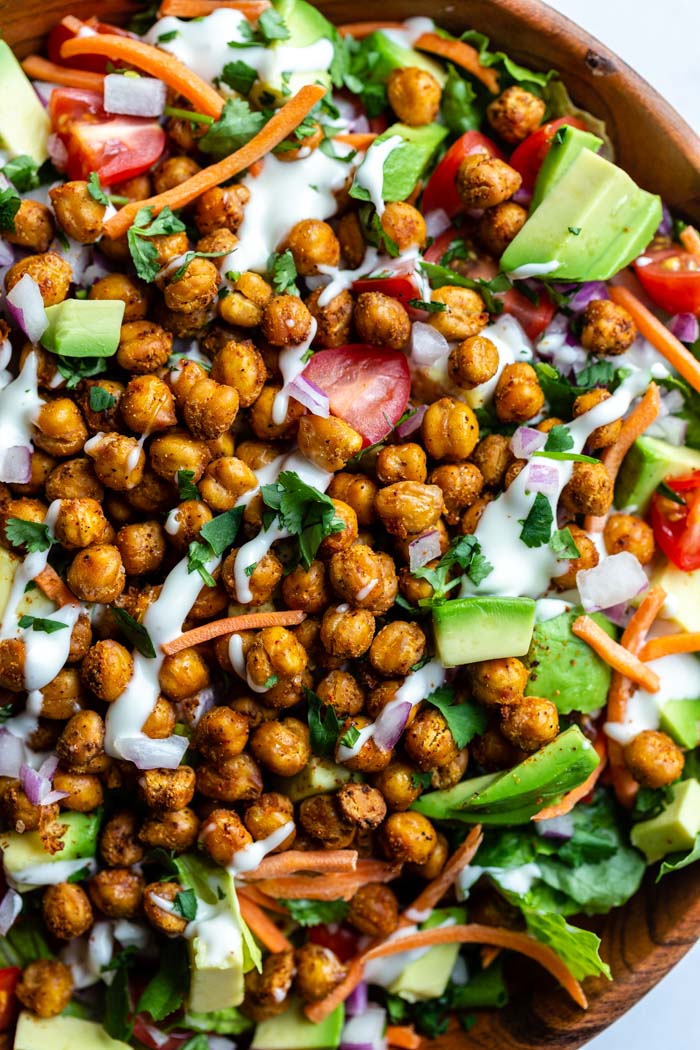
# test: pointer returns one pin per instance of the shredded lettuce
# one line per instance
(578, 948)
(676, 861)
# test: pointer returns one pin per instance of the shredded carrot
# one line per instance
(39, 68)
(262, 926)
(639, 626)
(429, 897)
(658, 335)
(362, 29)
(684, 642)
(461, 54)
(255, 895)
(488, 956)
(256, 168)
(252, 9)
(231, 625)
(690, 239)
(402, 1035)
(619, 658)
(559, 809)
(360, 140)
(320, 862)
(316, 888)
(474, 933)
(153, 60)
(640, 418)
(54, 588)
(277, 129)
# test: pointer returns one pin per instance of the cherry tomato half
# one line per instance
(671, 278)
(401, 286)
(116, 147)
(534, 317)
(440, 192)
(677, 527)
(368, 388)
(339, 939)
(527, 158)
(9, 976)
(94, 63)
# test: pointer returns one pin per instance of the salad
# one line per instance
(349, 532)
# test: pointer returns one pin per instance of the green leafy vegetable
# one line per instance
(460, 107)
(214, 538)
(464, 552)
(567, 457)
(305, 512)
(143, 252)
(224, 1022)
(117, 1007)
(270, 28)
(100, 399)
(316, 913)
(564, 545)
(34, 535)
(283, 272)
(561, 393)
(37, 623)
(324, 725)
(75, 369)
(559, 439)
(165, 38)
(421, 780)
(350, 738)
(676, 861)
(239, 76)
(511, 72)
(185, 485)
(464, 720)
(187, 259)
(24, 942)
(185, 904)
(668, 493)
(22, 172)
(166, 990)
(439, 276)
(429, 307)
(537, 526)
(10, 202)
(237, 125)
(95, 189)
(578, 948)
(135, 633)
(404, 165)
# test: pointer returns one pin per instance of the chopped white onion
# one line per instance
(77, 255)
(527, 440)
(543, 477)
(220, 1042)
(146, 753)
(423, 549)
(391, 724)
(100, 947)
(427, 344)
(436, 222)
(16, 465)
(134, 96)
(556, 827)
(365, 1031)
(58, 154)
(310, 396)
(26, 305)
(7, 252)
(12, 754)
(10, 907)
(617, 579)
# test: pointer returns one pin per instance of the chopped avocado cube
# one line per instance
(471, 629)
(306, 26)
(84, 327)
(292, 1030)
(305, 22)
(566, 146)
(564, 669)
(318, 777)
(62, 1033)
(646, 465)
(388, 55)
(592, 223)
(33, 602)
(676, 827)
(27, 864)
(24, 122)
(681, 720)
(683, 595)
(223, 1022)
(404, 165)
(427, 977)
(514, 796)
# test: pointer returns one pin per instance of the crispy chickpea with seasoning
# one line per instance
(608, 329)
(267, 814)
(397, 647)
(45, 987)
(164, 918)
(404, 225)
(195, 289)
(224, 481)
(167, 788)
(450, 430)
(262, 581)
(59, 428)
(106, 669)
(240, 365)
(352, 239)
(515, 113)
(267, 992)
(473, 362)
(602, 436)
(173, 172)
(143, 347)
(74, 479)
(398, 784)
(362, 805)
(653, 759)
(286, 321)
(414, 95)
(275, 651)
(359, 492)
(483, 181)
(97, 574)
(312, 244)
(518, 395)
(408, 837)
(374, 910)
(588, 558)
(81, 742)
(320, 816)
(224, 834)
(333, 318)
(329, 443)
(66, 910)
(79, 523)
(461, 485)
(363, 577)
(117, 892)
(282, 747)
(174, 829)
(319, 970)
(52, 273)
(409, 507)
(381, 321)
(464, 313)
(530, 723)
(34, 227)
(499, 681)
(221, 208)
(118, 460)
(627, 532)
(176, 450)
(370, 758)
(118, 842)
(84, 792)
(306, 589)
(590, 490)
(405, 462)
(210, 409)
(499, 225)
(428, 740)
(77, 211)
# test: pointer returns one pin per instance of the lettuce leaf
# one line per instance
(578, 948)
(223, 1022)
(676, 861)
(511, 72)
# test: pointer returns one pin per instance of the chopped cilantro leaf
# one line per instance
(95, 189)
(134, 632)
(559, 439)
(74, 369)
(10, 202)
(564, 545)
(221, 531)
(33, 535)
(22, 172)
(198, 554)
(185, 904)
(143, 252)
(324, 725)
(350, 737)
(272, 680)
(37, 623)
(239, 76)
(574, 230)
(185, 485)
(100, 399)
(439, 276)
(668, 493)
(464, 552)
(316, 913)
(307, 513)
(537, 526)
(165, 38)
(284, 273)
(429, 307)
(237, 125)
(464, 720)
(421, 780)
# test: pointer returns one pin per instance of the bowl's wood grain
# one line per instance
(643, 940)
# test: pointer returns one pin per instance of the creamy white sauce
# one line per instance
(534, 270)
(410, 31)
(291, 362)
(19, 406)
(384, 972)
(548, 608)
(249, 858)
(515, 880)
(679, 676)
(370, 174)
(342, 279)
(238, 662)
(49, 873)
(46, 654)
(173, 522)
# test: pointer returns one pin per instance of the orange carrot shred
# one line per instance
(262, 926)
(403, 1036)
(153, 60)
(559, 809)
(690, 239)
(619, 658)
(295, 860)
(460, 54)
(489, 955)
(684, 642)
(251, 9)
(658, 335)
(277, 129)
(360, 140)
(316, 888)
(642, 416)
(252, 892)
(359, 30)
(39, 68)
(433, 893)
(232, 625)
(54, 588)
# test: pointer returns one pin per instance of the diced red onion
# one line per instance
(155, 1035)
(16, 465)
(587, 293)
(100, 947)
(48, 767)
(78, 256)
(12, 754)
(43, 91)
(544, 478)
(617, 579)
(27, 308)
(685, 327)
(365, 1031)
(561, 828)
(527, 440)
(7, 252)
(10, 907)
(665, 227)
(670, 428)
(390, 724)
(58, 154)
(134, 96)
(356, 1002)
(522, 196)
(413, 422)
(618, 614)
(310, 396)
(436, 222)
(427, 344)
(146, 753)
(33, 784)
(359, 124)
(423, 549)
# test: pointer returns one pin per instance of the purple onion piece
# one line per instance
(310, 396)
(665, 227)
(685, 327)
(391, 724)
(147, 753)
(522, 196)
(587, 293)
(356, 1002)
(7, 252)
(33, 784)
(58, 153)
(11, 754)
(560, 828)
(413, 423)
(26, 305)
(16, 465)
(10, 907)
(436, 222)
(544, 478)
(527, 440)
(618, 614)
(423, 549)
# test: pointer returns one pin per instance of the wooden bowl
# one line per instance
(643, 940)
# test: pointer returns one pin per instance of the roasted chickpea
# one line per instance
(328, 443)
(79, 214)
(370, 758)
(464, 315)
(22, 815)
(219, 208)
(263, 417)
(401, 463)
(173, 172)
(435, 862)
(408, 837)
(266, 993)
(183, 674)
(240, 365)
(362, 805)
(359, 492)
(221, 734)
(604, 435)
(219, 241)
(106, 669)
(530, 723)
(374, 910)
(627, 532)
(167, 788)
(653, 759)
(492, 751)
(428, 740)
(414, 95)
(607, 328)
(515, 113)
(225, 480)
(518, 395)
(210, 409)
(473, 362)
(397, 647)
(66, 910)
(97, 574)
(142, 547)
(341, 691)
(484, 182)
(34, 226)
(306, 589)
(118, 842)
(143, 347)
(275, 651)
(365, 578)
(499, 681)
(408, 507)
(175, 450)
(147, 405)
(79, 522)
(282, 747)
(498, 226)
(45, 987)
(312, 244)
(118, 460)
(51, 272)
(381, 321)
(493, 456)
(398, 785)
(319, 970)
(60, 428)
(451, 773)
(63, 695)
(461, 485)
(195, 289)
(172, 829)
(286, 321)
(321, 817)
(117, 892)
(81, 742)
(449, 429)
(590, 490)
(404, 225)
(267, 814)
(74, 479)
(12, 658)
(333, 318)
(588, 558)
(262, 582)
(223, 834)
(164, 919)
(352, 239)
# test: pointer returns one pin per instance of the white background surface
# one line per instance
(662, 42)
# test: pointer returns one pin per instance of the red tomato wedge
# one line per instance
(442, 242)
(94, 63)
(440, 192)
(677, 527)
(9, 976)
(339, 939)
(671, 278)
(399, 286)
(527, 158)
(116, 147)
(368, 388)
(534, 317)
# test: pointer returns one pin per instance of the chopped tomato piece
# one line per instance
(9, 976)
(534, 317)
(671, 278)
(399, 286)
(94, 63)
(339, 939)
(527, 158)
(367, 387)
(116, 147)
(440, 193)
(676, 525)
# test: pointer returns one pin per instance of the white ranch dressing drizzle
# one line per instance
(342, 279)
(248, 858)
(534, 270)
(291, 362)
(516, 880)
(415, 687)
(519, 570)
(50, 873)
(679, 676)
(410, 31)
(370, 174)
(19, 406)
(46, 654)
(238, 662)
(383, 972)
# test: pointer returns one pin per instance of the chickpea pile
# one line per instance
(122, 524)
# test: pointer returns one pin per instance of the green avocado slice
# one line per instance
(564, 669)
